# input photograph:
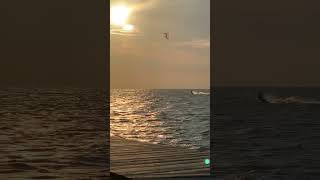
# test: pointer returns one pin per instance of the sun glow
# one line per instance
(119, 15)
(128, 27)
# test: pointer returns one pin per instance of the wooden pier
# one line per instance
(141, 160)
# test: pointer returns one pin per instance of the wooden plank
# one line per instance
(137, 160)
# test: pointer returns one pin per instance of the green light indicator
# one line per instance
(207, 161)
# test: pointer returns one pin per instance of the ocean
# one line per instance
(53, 134)
(63, 133)
(277, 139)
(168, 117)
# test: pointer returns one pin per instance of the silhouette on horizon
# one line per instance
(262, 98)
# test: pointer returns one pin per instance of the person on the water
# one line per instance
(261, 97)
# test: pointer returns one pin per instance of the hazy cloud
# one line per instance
(145, 59)
(196, 43)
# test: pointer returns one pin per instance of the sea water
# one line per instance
(169, 117)
(257, 140)
(53, 134)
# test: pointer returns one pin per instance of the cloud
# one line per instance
(143, 4)
(136, 4)
(118, 30)
(121, 33)
(195, 43)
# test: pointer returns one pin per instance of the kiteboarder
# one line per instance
(166, 35)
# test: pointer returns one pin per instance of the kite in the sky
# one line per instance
(166, 35)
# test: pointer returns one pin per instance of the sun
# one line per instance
(119, 15)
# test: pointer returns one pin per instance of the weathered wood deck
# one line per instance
(136, 160)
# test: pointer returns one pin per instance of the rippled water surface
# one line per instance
(53, 134)
(170, 117)
(258, 140)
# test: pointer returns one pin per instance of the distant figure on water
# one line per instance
(166, 35)
(262, 98)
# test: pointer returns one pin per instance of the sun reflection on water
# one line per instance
(134, 117)
(158, 117)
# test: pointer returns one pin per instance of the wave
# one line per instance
(291, 99)
(200, 93)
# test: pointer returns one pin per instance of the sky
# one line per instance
(266, 43)
(61, 43)
(54, 43)
(140, 57)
